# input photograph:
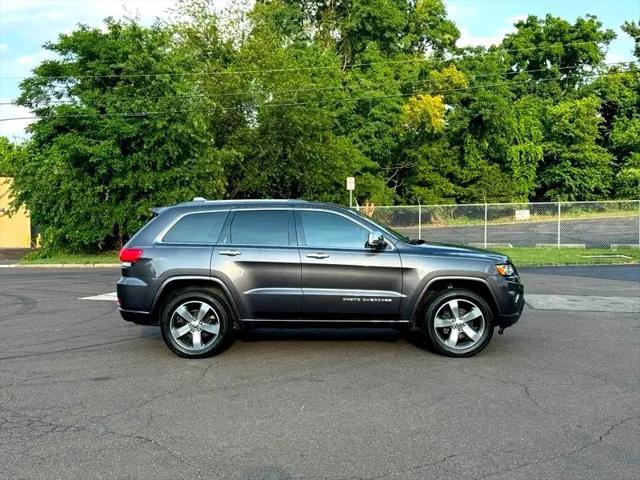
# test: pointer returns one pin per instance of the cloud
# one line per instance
(27, 60)
(14, 129)
(26, 24)
(516, 18)
(457, 11)
(56, 12)
(467, 39)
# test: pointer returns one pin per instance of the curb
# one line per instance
(62, 265)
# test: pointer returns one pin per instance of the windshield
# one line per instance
(385, 229)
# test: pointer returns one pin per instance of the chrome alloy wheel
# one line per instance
(194, 325)
(459, 324)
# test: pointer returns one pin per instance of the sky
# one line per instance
(26, 24)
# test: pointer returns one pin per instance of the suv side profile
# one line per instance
(204, 270)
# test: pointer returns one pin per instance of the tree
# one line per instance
(394, 26)
(632, 29)
(286, 98)
(93, 170)
(575, 167)
(285, 121)
(10, 155)
(557, 55)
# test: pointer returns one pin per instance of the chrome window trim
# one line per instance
(159, 238)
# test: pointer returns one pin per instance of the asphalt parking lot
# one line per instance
(85, 395)
(593, 233)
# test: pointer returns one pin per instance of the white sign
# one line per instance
(523, 214)
(351, 183)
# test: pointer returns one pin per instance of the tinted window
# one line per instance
(261, 227)
(197, 228)
(325, 230)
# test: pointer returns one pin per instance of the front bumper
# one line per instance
(512, 304)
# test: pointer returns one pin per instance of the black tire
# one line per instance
(468, 346)
(219, 316)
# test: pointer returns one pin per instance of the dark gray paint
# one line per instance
(284, 283)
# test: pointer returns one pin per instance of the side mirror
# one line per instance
(376, 241)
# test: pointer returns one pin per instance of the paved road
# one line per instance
(85, 395)
(599, 232)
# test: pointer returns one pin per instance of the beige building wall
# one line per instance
(15, 230)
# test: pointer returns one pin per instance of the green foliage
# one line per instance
(627, 181)
(89, 179)
(286, 98)
(575, 167)
(632, 29)
(10, 155)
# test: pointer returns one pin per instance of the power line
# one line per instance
(313, 89)
(291, 104)
(292, 69)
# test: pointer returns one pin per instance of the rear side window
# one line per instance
(329, 230)
(197, 228)
(261, 227)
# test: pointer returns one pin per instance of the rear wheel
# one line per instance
(195, 323)
(458, 323)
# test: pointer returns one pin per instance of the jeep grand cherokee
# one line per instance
(203, 270)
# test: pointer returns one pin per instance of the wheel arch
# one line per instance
(437, 284)
(173, 283)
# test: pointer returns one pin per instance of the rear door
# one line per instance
(342, 279)
(259, 258)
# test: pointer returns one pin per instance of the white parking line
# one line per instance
(108, 297)
(583, 303)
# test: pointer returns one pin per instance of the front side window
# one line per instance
(197, 228)
(329, 230)
(261, 227)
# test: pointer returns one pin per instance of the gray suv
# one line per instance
(204, 270)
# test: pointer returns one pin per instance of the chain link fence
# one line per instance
(604, 224)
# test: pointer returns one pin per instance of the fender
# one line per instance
(217, 281)
(425, 289)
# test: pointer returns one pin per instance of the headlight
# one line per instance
(505, 270)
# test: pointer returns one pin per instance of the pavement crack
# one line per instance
(582, 447)
(526, 389)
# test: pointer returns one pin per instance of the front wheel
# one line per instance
(458, 323)
(196, 324)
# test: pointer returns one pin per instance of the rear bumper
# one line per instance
(136, 316)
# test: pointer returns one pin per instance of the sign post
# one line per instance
(351, 185)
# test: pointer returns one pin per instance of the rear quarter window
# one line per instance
(197, 228)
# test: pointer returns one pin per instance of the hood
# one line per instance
(434, 248)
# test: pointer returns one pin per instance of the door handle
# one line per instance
(318, 255)
(229, 253)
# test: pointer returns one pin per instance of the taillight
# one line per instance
(130, 255)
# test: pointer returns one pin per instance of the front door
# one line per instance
(259, 258)
(342, 279)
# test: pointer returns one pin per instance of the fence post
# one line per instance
(485, 224)
(419, 220)
(558, 225)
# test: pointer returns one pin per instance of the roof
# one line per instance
(201, 203)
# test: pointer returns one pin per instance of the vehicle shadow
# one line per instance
(345, 334)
